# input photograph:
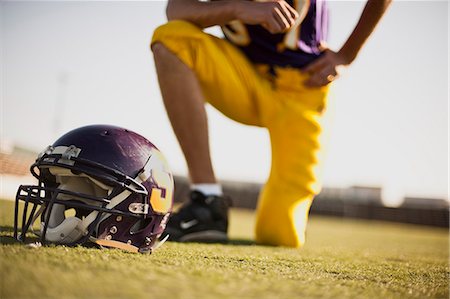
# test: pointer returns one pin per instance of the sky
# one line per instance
(70, 64)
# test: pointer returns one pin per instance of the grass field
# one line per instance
(342, 259)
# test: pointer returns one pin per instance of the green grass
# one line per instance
(342, 259)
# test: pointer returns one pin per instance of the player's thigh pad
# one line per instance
(228, 80)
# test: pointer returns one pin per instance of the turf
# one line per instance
(342, 259)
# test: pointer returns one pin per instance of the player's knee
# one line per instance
(178, 30)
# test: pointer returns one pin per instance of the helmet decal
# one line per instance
(161, 197)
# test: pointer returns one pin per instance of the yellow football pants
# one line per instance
(252, 95)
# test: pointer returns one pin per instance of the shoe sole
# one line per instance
(205, 236)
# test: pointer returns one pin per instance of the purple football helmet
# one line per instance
(116, 184)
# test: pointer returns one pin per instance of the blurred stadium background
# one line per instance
(354, 202)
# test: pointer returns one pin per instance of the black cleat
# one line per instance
(201, 219)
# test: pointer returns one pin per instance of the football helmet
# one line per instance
(116, 184)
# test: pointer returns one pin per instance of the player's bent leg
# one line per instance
(193, 67)
(285, 200)
(185, 106)
(227, 79)
(295, 131)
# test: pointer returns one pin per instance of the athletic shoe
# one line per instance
(202, 219)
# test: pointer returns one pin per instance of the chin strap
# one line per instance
(70, 230)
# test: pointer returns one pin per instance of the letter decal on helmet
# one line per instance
(161, 197)
(162, 194)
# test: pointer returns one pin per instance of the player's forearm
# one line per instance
(370, 17)
(203, 14)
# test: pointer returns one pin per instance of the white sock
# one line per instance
(208, 189)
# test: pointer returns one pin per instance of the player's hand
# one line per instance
(325, 69)
(276, 16)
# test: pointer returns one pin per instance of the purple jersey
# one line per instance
(296, 48)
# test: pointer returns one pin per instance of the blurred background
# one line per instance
(70, 64)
